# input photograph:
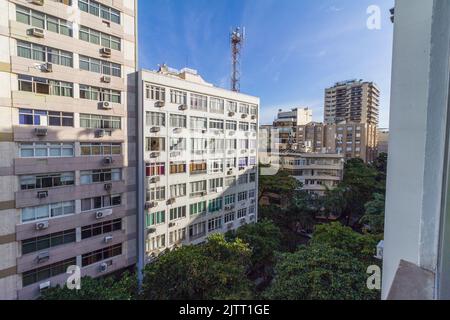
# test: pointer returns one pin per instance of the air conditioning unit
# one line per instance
(228, 208)
(160, 104)
(105, 105)
(183, 107)
(47, 67)
(230, 172)
(102, 214)
(105, 52)
(36, 32)
(155, 129)
(155, 179)
(244, 116)
(175, 154)
(106, 79)
(100, 133)
(42, 225)
(39, 132)
(44, 286)
(38, 2)
(178, 130)
(253, 117)
(231, 114)
(103, 267)
(108, 186)
(149, 205)
(243, 221)
(172, 224)
(171, 201)
(252, 217)
(43, 257)
(151, 230)
(204, 131)
(218, 190)
(108, 160)
(108, 239)
(154, 155)
(42, 194)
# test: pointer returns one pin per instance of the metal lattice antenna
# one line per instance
(237, 41)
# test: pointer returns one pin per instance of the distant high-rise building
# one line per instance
(352, 101)
(383, 141)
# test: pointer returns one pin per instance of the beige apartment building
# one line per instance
(318, 172)
(200, 153)
(67, 141)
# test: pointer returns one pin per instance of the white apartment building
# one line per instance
(199, 149)
(67, 169)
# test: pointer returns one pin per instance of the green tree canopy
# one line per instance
(214, 270)
(374, 215)
(281, 184)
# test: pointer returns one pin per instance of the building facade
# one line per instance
(318, 172)
(352, 101)
(67, 170)
(200, 154)
(383, 141)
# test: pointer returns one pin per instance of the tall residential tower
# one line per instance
(67, 171)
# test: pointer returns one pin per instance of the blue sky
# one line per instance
(294, 48)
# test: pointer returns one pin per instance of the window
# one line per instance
(231, 144)
(252, 144)
(242, 213)
(177, 236)
(252, 161)
(45, 86)
(216, 146)
(178, 121)
(43, 21)
(100, 66)
(198, 188)
(215, 205)
(216, 105)
(178, 97)
(251, 210)
(230, 199)
(216, 124)
(197, 123)
(215, 166)
(231, 106)
(155, 169)
(197, 230)
(101, 228)
(177, 144)
(101, 255)
(177, 213)
(44, 54)
(177, 167)
(99, 10)
(244, 108)
(231, 125)
(243, 144)
(45, 118)
(155, 218)
(157, 119)
(243, 126)
(214, 224)
(198, 208)
(229, 217)
(47, 272)
(230, 181)
(99, 38)
(253, 127)
(47, 181)
(199, 102)
(108, 201)
(198, 167)
(156, 194)
(242, 196)
(254, 110)
(199, 145)
(155, 93)
(243, 179)
(156, 243)
(100, 149)
(47, 211)
(252, 177)
(48, 241)
(215, 184)
(178, 190)
(100, 94)
(243, 163)
(156, 144)
(96, 176)
(230, 163)
(92, 121)
(46, 150)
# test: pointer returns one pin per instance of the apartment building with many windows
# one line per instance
(67, 171)
(199, 149)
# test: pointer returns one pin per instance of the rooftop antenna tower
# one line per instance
(237, 38)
